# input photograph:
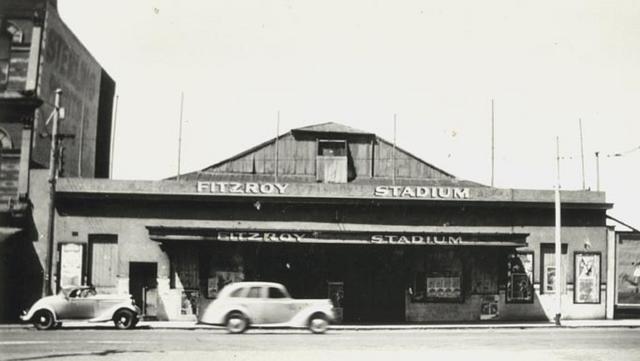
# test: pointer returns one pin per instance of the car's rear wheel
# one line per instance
(44, 320)
(318, 323)
(124, 319)
(236, 322)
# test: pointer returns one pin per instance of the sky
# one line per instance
(437, 65)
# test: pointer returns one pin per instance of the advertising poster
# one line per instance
(444, 288)
(71, 264)
(520, 278)
(587, 271)
(489, 307)
(628, 272)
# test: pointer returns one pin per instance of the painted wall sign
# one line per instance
(422, 192)
(416, 239)
(242, 188)
(261, 236)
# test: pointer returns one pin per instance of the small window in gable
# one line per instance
(333, 148)
(331, 161)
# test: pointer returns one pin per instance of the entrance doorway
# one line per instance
(143, 286)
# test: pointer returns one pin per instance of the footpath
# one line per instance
(190, 325)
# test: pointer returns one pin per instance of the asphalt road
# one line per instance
(443, 345)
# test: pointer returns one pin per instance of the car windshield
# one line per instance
(79, 292)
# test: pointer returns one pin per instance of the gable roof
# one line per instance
(327, 128)
(330, 127)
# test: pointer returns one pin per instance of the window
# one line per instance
(16, 33)
(254, 292)
(276, 293)
(548, 268)
(5, 55)
(238, 293)
(5, 140)
(332, 148)
(520, 278)
(439, 278)
(331, 161)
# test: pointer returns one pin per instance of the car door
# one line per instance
(278, 306)
(253, 302)
(81, 306)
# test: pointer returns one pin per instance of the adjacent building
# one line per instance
(332, 211)
(38, 55)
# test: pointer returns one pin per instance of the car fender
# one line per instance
(39, 306)
(109, 313)
(216, 314)
(301, 319)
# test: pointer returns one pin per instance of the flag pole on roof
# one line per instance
(180, 133)
(492, 143)
(275, 168)
(393, 159)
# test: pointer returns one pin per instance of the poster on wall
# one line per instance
(189, 302)
(443, 288)
(71, 264)
(587, 277)
(489, 307)
(520, 278)
(628, 271)
(221, 279)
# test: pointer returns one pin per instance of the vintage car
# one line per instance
(82, 303)
(241, 305)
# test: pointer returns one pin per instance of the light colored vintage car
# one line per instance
(241, 305)
(83, 303)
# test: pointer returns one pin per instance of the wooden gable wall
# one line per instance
(297, 157)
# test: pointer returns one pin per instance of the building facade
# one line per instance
(38, 55)
(332, 211)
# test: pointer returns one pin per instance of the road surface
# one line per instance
(617, 344)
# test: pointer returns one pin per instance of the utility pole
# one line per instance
(53, 174)
(558, 243)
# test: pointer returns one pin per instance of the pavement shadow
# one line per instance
(65, 355)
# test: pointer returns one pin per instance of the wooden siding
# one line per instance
(297, 157)
(104, 264)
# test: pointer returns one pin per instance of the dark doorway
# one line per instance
(143, 286)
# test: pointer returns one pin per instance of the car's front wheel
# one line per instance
(236, 323)
(318, 323)
(124, 319)
(44, 320)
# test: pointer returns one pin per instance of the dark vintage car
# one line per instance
(83, 303)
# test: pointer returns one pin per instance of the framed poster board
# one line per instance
(520, 278)
(587, 277)
(71, 264)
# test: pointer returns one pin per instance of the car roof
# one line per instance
(236, 285)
